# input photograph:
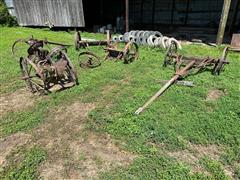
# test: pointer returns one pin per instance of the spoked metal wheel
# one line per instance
(71, 74)
(130, 52)
(31, 76)
(170, 54)
(220, 64)
(19, 48)
(88, 60)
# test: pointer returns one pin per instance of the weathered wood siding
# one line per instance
(60, 13)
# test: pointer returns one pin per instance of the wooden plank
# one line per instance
(59, 13)
(235, 40)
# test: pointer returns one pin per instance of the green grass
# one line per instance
(181, 115)
(27, 167)
(214, 167)
(154, 167)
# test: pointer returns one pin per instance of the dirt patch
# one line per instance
(100, 154)
(10, 143)
(126, 80)
(195, 152)
(73, 151)
(52, 170)
(212, 151)
(188, 158)
(108, 88)
(65, 123)
(215, 94)
(19, 100)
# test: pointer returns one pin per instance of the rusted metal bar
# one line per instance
(85, 43)
(92, 43)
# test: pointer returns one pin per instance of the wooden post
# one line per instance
(127, 15)
(109, 37)
(223, 21)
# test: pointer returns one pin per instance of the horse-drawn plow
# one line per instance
(185, 66)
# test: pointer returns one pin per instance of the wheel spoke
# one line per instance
(88, 60)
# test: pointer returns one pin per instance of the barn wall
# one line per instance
(176, 12)
(60, 13)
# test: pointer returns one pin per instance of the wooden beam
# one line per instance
(223, 21)
(127, 15)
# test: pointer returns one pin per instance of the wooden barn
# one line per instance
(199, 17)
(185, 19)
(58, 13)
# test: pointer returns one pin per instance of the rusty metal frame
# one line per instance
(40, 62)
(184, 66)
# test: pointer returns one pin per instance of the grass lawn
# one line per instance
(183, 134)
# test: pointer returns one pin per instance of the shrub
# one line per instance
(5, 18)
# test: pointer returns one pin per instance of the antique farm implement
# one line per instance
(185, 66)
(42, 69)
(129, 53)
(88, 59)
(79, 43)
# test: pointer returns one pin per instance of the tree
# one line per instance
(5, 18)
